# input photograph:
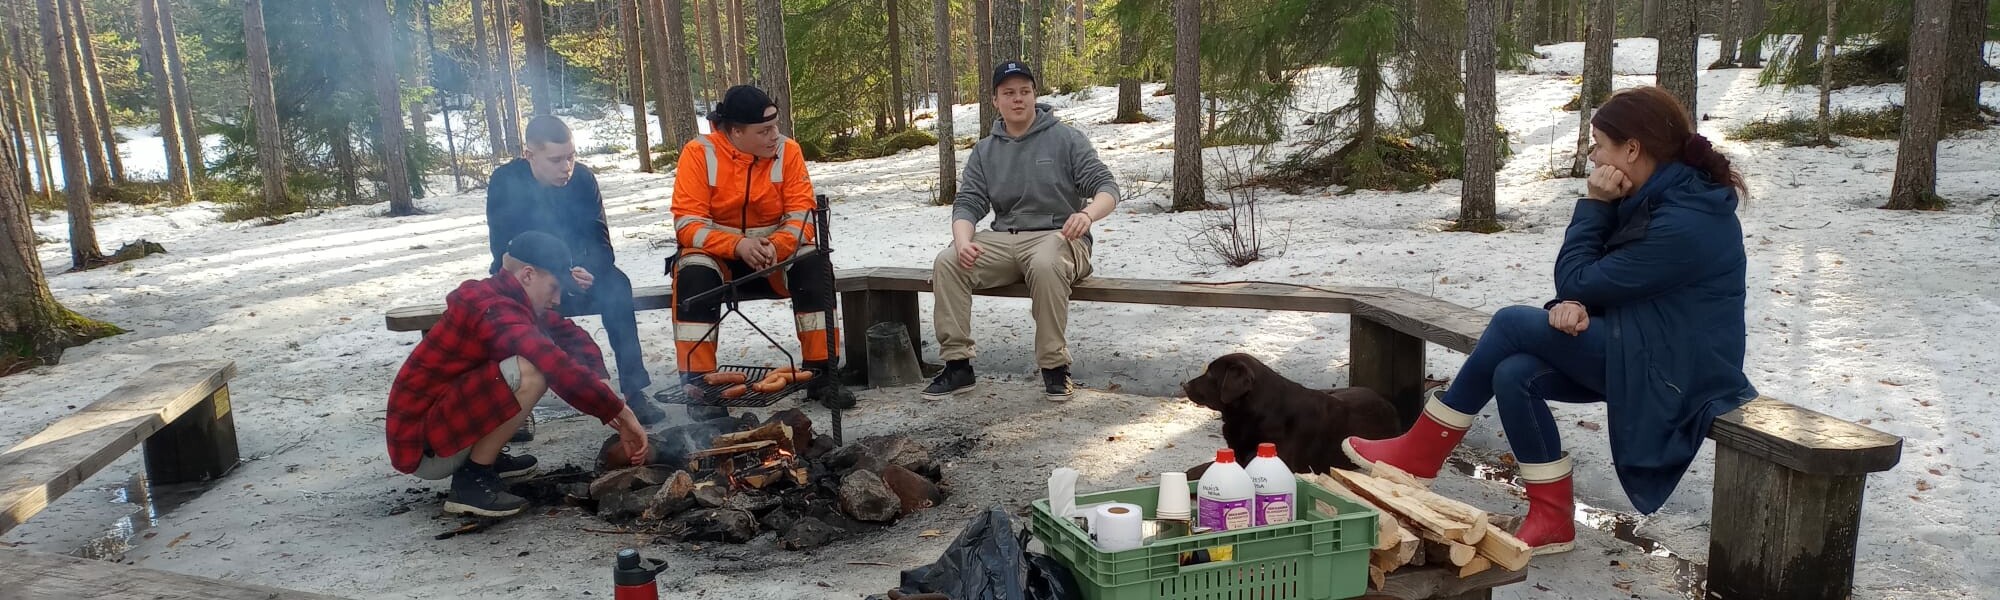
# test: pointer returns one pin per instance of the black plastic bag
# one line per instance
(988, 561)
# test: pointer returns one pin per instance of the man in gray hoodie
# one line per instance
(1034, 175)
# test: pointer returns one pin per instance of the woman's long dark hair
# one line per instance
(1660, 123)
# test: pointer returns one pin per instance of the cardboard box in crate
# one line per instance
(1321, 555)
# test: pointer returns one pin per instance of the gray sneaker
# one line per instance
(1057, 385)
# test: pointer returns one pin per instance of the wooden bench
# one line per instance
(1788, 480)
(43, 576)
(179, 410)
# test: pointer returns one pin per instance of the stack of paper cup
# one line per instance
(1173, 503)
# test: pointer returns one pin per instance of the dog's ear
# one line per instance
(1233, 382)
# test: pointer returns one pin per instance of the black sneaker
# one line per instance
(527, 431)
(509, 466)
(476, 490)
(825, 387)
(643, 408)
(1057, 385)
(956, 379)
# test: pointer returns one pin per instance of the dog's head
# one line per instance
(1226, 381)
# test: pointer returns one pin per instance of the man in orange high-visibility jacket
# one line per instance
(741, 202)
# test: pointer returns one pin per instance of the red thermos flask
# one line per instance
(633, 580)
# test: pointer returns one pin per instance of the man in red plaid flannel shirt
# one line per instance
(468, 386)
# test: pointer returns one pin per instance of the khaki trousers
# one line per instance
(1049, 265)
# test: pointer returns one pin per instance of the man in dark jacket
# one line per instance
(470, 384)
(545, 190)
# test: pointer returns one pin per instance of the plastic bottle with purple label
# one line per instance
(1276, 488)
(1225, 497)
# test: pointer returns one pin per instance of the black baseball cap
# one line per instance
(1012, 68)
(743, 104)
(547, 253)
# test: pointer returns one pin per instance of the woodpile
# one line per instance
(1419, 527)
(732, 478)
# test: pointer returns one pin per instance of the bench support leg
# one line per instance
(1389, 362)
(1780, 533)
(863, 309)
(200, 445)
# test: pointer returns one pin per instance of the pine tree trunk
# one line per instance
(700, 70)
(1482, 147)
(488, 88)
(1078, 43)
(1728, 29)
(982, 35)
(739, 48)
(895, 43)
(19, 110)
(1965, 58)
(154, 57)
(30, 317)
(1597, 44)
(774, 66)
(535, 52)
(1006, 30)
(670, 77)
(93, 81)
(1675, 60)
(183, 100)
(510, 100)
(406, 39)
(1915, 186)
(1189, 191)
(635, 80)
(1651, 16)
(83, 250)
(945, 82)
(1033, 23)
(1129, 53)
(79, 93)
(38, 138)
(346, 164)
(722, 69)
(264, 104)
(1436, 81)
(1827, 52)
(389, 142)
(1751, 50)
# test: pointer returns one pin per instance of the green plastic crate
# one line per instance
(1316, 557)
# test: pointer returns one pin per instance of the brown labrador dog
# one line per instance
(1258, 405)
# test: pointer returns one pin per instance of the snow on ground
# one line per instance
(1869, 315)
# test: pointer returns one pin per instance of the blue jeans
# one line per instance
(1525, 363)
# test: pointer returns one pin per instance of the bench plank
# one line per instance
(42, 576)
(1428, 583)
(1806, 440)
(1261, 296)
(421, 317)
(54, 461)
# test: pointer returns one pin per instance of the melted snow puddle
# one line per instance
(146, 503)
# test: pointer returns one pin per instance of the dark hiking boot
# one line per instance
(476, 490)
(825, 387)
(956, 379)
(1057, 385)
(509, 466)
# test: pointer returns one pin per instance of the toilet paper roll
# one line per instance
(1120, 526)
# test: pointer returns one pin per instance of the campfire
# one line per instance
(729, 479)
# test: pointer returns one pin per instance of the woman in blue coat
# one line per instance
(1648, 318)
